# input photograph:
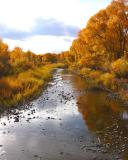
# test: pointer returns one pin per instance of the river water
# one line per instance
(67, 122)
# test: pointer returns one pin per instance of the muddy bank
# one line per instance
(65, 122)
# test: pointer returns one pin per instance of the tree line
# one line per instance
(23, 74)
(17, 60)
(100, 51)
(103, 41)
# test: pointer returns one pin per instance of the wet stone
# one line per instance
(16, 119)
(101, 133)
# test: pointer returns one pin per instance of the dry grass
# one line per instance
(16, 89)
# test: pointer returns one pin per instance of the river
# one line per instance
(68, 121)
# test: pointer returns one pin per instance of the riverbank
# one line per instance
(24, 86)
(65, 122)
(117, 88)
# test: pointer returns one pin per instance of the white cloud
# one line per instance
(42, 44)
(22, 15)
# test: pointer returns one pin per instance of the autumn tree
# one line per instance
(31, 60)
(118, 26)
(49, 58)
(4, 59)
(21, 60)
(105, 37)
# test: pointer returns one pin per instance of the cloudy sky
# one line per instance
(45, 25)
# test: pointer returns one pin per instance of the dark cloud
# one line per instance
(42, 27)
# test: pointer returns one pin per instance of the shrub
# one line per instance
(107, 79)
(95, 74)
(120, 68)
(14, 89)
(85, 71)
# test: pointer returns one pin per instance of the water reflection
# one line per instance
(52, 123)
(107, 119)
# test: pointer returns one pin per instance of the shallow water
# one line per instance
(67, 122)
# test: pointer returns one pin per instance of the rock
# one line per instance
(4, 123)
(117, 157)
(16, 119)
(52, 118)
(94, 157)
(61, 153)
(36, 156)
(83, 147)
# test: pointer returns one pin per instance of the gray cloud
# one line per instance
(6, 32)
(54, 27)
(42, 27)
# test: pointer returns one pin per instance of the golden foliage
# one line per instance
(120, 68)
(15, 89)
